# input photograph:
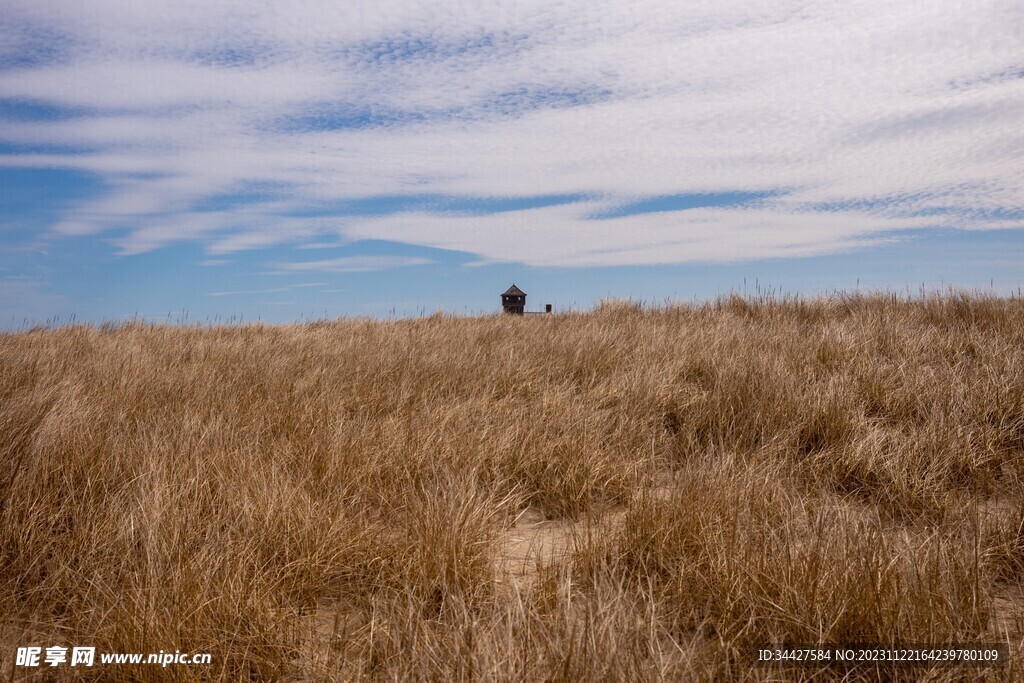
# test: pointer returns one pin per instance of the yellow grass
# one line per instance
(627, 494)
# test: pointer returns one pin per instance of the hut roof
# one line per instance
(514, 291)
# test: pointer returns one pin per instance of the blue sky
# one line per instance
(292, 160)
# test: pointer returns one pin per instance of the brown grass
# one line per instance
(627, 494)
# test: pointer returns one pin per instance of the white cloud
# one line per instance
(865, 115)
(562, 236)
(272, 290)
(352, 264)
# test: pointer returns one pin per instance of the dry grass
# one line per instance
(628, 494)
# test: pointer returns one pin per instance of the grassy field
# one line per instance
(625, 494)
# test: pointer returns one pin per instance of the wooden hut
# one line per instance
(513, 301)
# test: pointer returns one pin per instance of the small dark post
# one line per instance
(513, 300)
(547, 308)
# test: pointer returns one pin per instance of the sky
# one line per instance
(217, 161)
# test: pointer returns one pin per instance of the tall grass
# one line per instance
(335, 500)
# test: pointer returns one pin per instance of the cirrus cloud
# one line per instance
(842, 123)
